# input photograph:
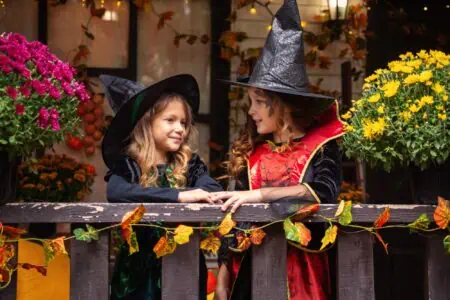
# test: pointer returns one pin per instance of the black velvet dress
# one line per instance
(138, 276)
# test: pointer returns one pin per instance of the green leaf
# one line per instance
(86, 236)
(447, 244)
(421, 223)
(134, 246)
(290, 231)
(346, 217)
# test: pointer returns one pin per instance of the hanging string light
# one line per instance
(425, 8)
(118, 3)
(269, 27)
(83, 3)
(304, 23)
(253, 9)
(102, 3)
(2, 4)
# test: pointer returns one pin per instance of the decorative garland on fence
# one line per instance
(295, 231)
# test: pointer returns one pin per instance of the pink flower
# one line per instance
(12, 92)
(54, 93)
(43, 118)
(6, 69)
(55, 124)
(67, 88)
(25, 91)
(38, 86)
(20, 109)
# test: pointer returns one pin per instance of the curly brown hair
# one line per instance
(142, 145)
(302, 111)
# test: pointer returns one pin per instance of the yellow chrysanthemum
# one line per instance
(416, 63)
(406, 69)
(347, 115)
(426, 100)
(411, 79)
(406, 115)
(424, 116)
(374, 98)
(438, 88)
(445, 98)
(423, 54)
(349, 127)
(371, 78)
(443, 116)
(373, 129)
(414, 108)
(396, 66)
(390, 88)
(439, 107)
(407, 55)
(380, 109)
(425, 76)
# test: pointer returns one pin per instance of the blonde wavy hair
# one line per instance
(142, 145)
(300, 110)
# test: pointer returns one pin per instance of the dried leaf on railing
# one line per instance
(346, 217)
(11, 232)
(383, 218)
(86, 236)
(226, 225)
(297, 232)
(182, 234)
(244, 241)
(330, 236)
(163, 17)
(128, 234)
(52, 248)
(7, 252)
(164, 246)
(257, 235)
(211, 243)
(305, 211)
(385, 245)
(27, 266)
(442, 213)
(421, 223)
(340, 208)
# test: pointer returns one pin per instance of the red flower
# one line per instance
(12, 92)
(20, 109)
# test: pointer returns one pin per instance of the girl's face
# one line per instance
(169, 129)
(260, 111)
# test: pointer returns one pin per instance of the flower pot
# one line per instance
(431, 183)
(8, 175)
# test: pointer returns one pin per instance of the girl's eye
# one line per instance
(260, 101)
(170, 120)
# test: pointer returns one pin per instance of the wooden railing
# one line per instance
(180, 279)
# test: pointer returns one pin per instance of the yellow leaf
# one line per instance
(133, 217)
(182, 234)
(164, 247)
(226, 225)
(244, 242)
(340, 208)
(53, 248)
(211, 243)
(330, 236)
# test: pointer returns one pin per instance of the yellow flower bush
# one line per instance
(54, 178)
(402, 116)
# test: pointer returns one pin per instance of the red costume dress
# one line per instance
(314, 161)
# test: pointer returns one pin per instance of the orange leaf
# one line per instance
(304, 233)
(164, 247)
(244, 242)
(53, 248)
(12, 232)
(257, 235)
(211, 243)
(385, 245)
(133, 217)
(442, 213)
(226, 225)
(40, 269)
(165, 16)
(383, 218)
(6, 253)
(305, 212)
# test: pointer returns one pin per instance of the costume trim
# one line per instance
(313, 193)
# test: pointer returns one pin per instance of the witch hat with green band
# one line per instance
(118, 132)
(281, 67)
(118, 90)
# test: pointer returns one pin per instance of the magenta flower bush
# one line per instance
(38, 96)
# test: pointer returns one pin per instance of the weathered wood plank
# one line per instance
(112, 213)
(180, 271)
(438, 271)
(89, 269)
(355, 270)
(269, 279)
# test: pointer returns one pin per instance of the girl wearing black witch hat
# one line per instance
(146, 149)
(287, 153)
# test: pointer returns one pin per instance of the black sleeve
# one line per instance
(120, 190)
(198, 176)
(123, 185)
(326, 168)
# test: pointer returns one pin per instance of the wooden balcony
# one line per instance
(355, 264)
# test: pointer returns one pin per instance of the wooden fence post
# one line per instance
(438, 269)
(355, 270)
(269, 275)
(180, 271)
(89, 268)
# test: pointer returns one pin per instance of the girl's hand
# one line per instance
(197, 195)
(237, 198)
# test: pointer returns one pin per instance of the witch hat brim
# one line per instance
(118, 132)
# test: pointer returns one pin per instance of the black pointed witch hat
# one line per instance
(119, 90)
(281, 67)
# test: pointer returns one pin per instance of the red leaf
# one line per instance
(165, 16)
(12, 232)
(383, 218)
(305, 211)
(385, 245)
(257, 235)
(442, 213)
(40, 269)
